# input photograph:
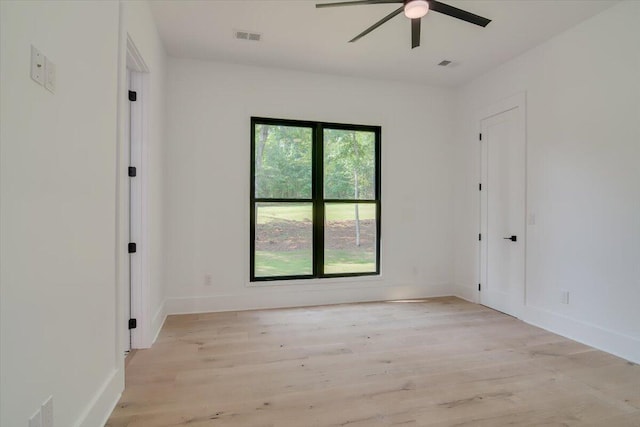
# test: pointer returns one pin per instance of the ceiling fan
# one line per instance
(414, 10)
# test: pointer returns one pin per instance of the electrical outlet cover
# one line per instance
(47, 412)
(37, 65)
(49, 75)
(35, 420)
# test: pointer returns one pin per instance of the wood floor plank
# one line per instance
(433, 362)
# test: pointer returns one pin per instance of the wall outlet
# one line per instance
(564, 297)
(37, 65)
(47, 412)
(35, 420)
(208, 280)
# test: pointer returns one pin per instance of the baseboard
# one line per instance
(101, 406)
(466, 293)
(604, 339)
(158, 321)
(251, 300)
(592, 335)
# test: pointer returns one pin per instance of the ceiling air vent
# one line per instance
(246, 35)
(444, 63)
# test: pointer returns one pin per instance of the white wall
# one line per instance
(207, 181)
(60, 219)
(583, 179)
(58, 157)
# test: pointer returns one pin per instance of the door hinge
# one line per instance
(132, 248)
(479, 135)
(133, 323)
(133, 96)
(479, 287)
(479, 186)
(479, 236)
(132, 171)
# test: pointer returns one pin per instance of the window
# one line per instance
(315, 199)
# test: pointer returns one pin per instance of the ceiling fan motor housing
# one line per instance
(415, 8)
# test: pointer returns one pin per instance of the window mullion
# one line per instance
(378, 193)
(318, 205)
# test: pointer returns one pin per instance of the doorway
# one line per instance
(503, 207)
(132, 200)
(135, 200)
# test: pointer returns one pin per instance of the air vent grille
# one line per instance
(246, 35)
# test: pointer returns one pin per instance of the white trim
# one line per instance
(158, 322)
(303, 298)
(135, 61)
(135, 217)
(105, 400)
(333, 281)
(514, 101)
(621, 345)
(466, 293)
(613, 342)
(517, 101)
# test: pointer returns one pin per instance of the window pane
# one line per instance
(350, 238)
(284, 239)
(283, 162)
(349, 164)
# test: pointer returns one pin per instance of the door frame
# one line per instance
(515, 101)
(140, 289)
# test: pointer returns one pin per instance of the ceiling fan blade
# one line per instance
(454, 12)
(415, 32)
(356, 2)
(377, 24)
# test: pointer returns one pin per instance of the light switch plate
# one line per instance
(49, 75)
(35, 420)
(47, 412)
(37, 65)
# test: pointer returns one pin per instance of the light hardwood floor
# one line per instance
(433, 362)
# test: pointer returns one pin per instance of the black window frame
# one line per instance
(317, 199)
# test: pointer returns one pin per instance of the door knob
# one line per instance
(512, 238)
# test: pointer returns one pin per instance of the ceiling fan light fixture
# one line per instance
(416, 8)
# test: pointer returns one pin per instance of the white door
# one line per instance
(502, 238)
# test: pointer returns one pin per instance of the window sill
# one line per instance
(330, 281)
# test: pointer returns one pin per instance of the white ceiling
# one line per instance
(296, 35)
